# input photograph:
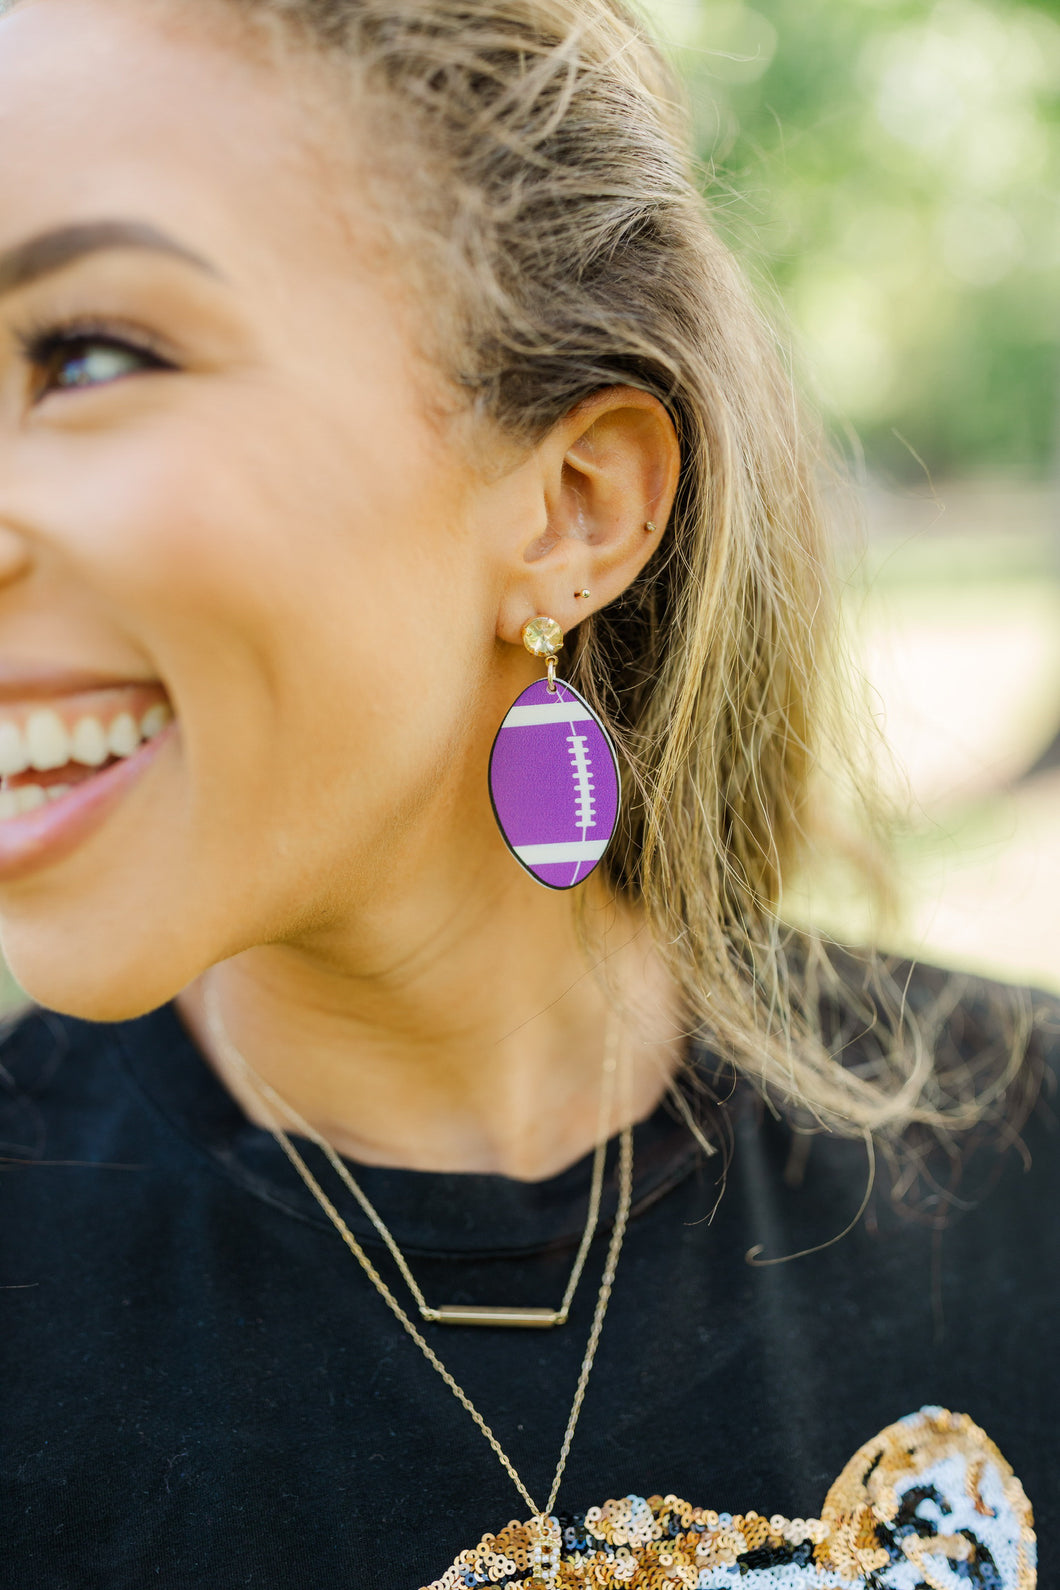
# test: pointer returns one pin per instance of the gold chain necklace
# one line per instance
(543, 1527)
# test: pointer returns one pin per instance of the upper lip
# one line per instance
(31, 681)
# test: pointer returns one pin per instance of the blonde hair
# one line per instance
(538, 150)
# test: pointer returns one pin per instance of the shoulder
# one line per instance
(985, 1054)
(958, 1019)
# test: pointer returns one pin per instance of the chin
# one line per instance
(101, 976)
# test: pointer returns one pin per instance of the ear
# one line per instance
(605, 474)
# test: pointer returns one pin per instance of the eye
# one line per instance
(85, 363)
(75, 358)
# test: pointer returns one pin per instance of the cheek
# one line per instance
(311, 605)
(273, 532)
(311, 602)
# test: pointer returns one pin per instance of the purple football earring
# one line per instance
(554, 778)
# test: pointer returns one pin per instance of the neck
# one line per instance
(476, 1046)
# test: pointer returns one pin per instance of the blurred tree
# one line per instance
(893, 167)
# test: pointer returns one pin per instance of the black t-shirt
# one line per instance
(201, 1388)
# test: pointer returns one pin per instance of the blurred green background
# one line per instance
(889, 170)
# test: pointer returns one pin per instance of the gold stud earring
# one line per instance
(579, 594)
(650, 527)
(543, 637)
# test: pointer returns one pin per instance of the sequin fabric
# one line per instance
(928, 1504)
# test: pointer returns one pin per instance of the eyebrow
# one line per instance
(64, 245)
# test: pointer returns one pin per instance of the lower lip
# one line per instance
(40, 838)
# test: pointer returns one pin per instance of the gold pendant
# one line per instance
(546, 1545)
(524, 1318)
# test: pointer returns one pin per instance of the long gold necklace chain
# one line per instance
(539, 1517)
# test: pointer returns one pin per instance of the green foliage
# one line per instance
(893, 167)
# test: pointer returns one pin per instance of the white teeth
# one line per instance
(155, 719)
(45, 743)
(13, 755)
(88, 744)
(124, 735)
(48, 742)
(30, 796)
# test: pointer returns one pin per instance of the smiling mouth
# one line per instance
(47, 751)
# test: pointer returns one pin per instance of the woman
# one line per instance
(353, 352)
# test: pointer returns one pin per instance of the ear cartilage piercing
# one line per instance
(553, 777)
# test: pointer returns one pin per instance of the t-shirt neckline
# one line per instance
(442, 1214)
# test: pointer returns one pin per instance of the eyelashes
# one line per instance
(80, 355)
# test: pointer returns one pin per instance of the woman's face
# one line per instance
(222, 495)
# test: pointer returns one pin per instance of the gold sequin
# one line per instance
(979, 1514)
